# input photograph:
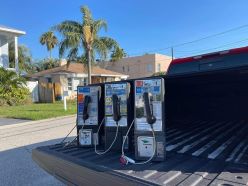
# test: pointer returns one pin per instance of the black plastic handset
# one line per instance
(87, 100)
(116, 108)
(150, 118)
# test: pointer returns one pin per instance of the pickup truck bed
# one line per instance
(194, 157)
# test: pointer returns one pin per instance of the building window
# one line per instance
(49, 80)
(149, 67)
(123, 69)
(69, 83)
(159, 67)
(85, 81)
(128, 68)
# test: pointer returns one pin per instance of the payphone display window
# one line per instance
(93, 92)
(154, 88)
(122, 91)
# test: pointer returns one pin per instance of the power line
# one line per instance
(209, 49)
(194, 41)
(228, 44)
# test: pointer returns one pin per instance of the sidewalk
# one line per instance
(11, 121)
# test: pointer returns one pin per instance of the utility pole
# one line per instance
(172, 53)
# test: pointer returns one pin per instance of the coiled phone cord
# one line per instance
(68, 134)
(116, 134)
(68, 143)
(129, 160)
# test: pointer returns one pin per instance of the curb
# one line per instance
(37, 121)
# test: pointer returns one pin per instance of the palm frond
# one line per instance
(87, 16)
(98, 25)
(73, 53)
(101, 48)
(68, 26)
(71, 40)
(109, 42)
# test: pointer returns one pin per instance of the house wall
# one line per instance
(4, 52)
(140, 66)
(52, 87)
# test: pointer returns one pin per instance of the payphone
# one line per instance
(89, 115)
(149, 131)
(118, 115)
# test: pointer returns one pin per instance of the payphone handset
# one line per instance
(87, 100)
(116, 108)
(150, 118)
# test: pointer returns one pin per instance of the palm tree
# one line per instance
(50, 40)
(84, 36)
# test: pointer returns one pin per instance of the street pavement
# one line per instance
(10, 121)
(16, 144)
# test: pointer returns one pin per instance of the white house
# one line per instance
(8, 35)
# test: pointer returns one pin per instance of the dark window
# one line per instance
(49, 80)
(69, 83)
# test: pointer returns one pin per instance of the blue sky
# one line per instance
(139, 26)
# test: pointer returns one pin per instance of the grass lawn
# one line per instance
(38, 111)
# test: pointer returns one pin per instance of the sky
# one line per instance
(139, 26)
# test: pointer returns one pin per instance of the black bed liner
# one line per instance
(226, 166)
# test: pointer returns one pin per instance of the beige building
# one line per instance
(139, 66)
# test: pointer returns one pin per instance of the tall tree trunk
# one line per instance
(89, 65)
(50, 53)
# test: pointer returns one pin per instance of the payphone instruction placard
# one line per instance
(122, 91)
(154, 88)
(93, 92)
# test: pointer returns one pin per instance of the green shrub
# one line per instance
(13, 89)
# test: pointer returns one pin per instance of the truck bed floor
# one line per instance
(212, 153)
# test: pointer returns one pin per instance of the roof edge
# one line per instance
(12, 30)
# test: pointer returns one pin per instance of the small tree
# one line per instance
(12, 88)
(24, 58)
(45, 64)
(159, 73)
(50, 40)
(117, 54)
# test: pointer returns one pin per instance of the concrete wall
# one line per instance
(4, 52)
(163, 61)
(140, 66)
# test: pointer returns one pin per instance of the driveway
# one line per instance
(10, 121)
(16, 144)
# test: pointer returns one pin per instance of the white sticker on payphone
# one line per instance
(85, 137)
(154, 88)
(145, 146)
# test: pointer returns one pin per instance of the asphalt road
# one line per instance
(16, 144)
